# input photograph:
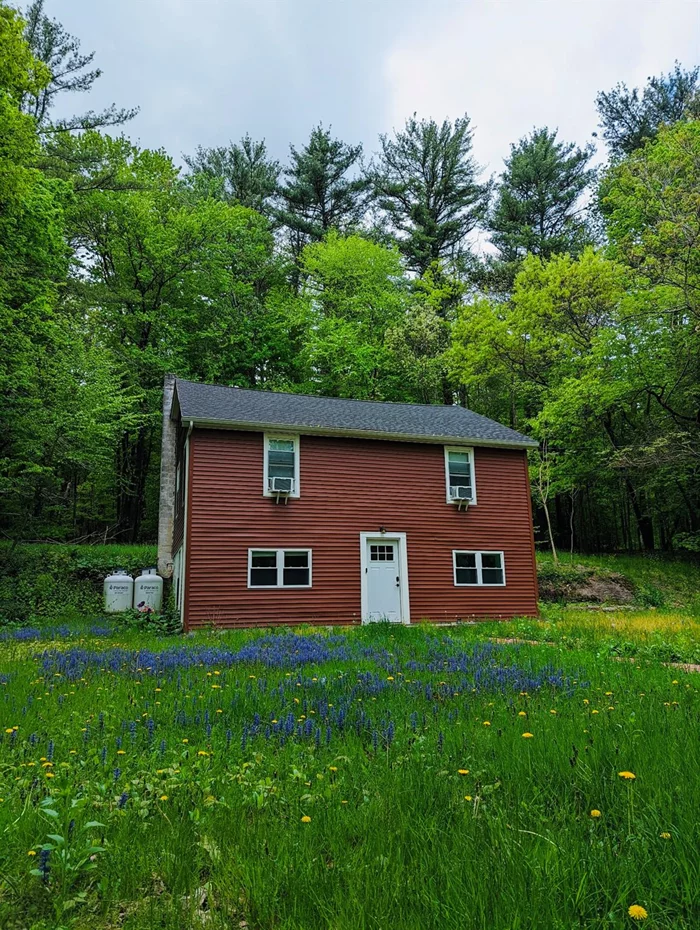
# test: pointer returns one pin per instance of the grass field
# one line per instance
(380, 777)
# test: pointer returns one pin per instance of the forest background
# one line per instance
(348, 274)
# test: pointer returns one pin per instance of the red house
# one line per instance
(284, 509)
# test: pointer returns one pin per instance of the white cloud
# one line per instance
(515, 64)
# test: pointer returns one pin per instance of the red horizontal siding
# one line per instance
(348, 487)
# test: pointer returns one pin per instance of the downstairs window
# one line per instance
(485, 569)
(279, 568)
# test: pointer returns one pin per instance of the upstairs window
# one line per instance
(479, 568)
(459, 475)
(281, 466)
(279, 568)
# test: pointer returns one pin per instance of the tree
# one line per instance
(167, 282)
(240, 172)
(425, 183)
(59, 391)
(629, 118)
(318, 195)
(70, 72)
(354, 293)
(537, 208)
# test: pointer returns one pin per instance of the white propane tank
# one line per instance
(118, 590)
(148, 589)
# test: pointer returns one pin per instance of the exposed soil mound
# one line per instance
(576, 584)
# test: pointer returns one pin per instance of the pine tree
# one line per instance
(537, 207)
(629, 118)
(71, 72)
(319, 194)
(241, 173)
(425, 184)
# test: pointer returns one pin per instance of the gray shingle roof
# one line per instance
(214, 405)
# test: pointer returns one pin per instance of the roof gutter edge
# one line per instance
(359, 434)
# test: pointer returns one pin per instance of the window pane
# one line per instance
(490, 559)
(460, 474)
(296, 559)
(459, 464)
(492, 576)
(263, 577)
(280, 465)
(466, 576)
(296, 576)
(281, 445)
(465, 559)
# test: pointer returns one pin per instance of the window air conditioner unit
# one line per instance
(461, 495)
(281, 486)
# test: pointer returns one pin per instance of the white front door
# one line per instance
(383, 579)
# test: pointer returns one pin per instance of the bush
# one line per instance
(146, 620)
(39, 581)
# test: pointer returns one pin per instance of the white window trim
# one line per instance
(280, 570)
(470, 452)
(178, 485)
(478, 553)
(400, 540)
(295, 438)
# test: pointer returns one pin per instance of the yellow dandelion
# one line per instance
(121, 752)
(629, 776)
(637, 912)
(343, 802)
(487, 723)
(185, 741)
(462, 771)
(528, 735)
(32, 852)
(665, 836)
(467, 797)
(332, 768)
(552, 711)
(203, 753)
(595, 813)
(595, 711)
(390, 678)
(47, 765)
(164, 797)
(521, 713)
(9, 730)
(306, 819)
(49, 774)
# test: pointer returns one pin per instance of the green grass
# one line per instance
(660, 581)
(201, 829)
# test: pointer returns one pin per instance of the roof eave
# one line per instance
(357, 434)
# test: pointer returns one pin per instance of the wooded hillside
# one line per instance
(348, 274)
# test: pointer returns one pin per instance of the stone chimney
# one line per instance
(166, 510)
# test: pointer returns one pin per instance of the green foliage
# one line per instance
(630, 119)
(537, 209)
(166, 622)
(71, 856)
(69, 72)
(425, 184)
(354, 294)
(414, 828)
(241, 172)
(318, 193)
(56, 582)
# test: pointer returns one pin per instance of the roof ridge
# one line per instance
(347, 400)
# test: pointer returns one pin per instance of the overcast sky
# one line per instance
(207, 71)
